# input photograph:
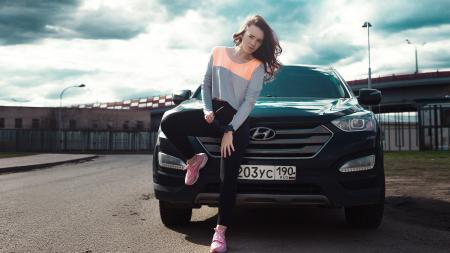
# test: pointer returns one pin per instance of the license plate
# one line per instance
(267, 172)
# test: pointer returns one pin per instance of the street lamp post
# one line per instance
(60, 127)
(415, 53)
(368, 25)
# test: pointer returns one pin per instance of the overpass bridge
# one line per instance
(414, 111)
(407, 92)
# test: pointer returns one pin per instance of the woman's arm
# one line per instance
(207, 87)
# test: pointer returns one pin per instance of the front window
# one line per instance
(297, 81)
(304, 82)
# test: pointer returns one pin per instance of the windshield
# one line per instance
(304, 82)
(296, 81)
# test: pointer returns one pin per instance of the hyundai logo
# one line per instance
(261, 133)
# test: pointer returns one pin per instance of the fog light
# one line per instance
(171, 162)
(359, 164)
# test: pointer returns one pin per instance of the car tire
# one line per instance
(172, 216)
(367, 216)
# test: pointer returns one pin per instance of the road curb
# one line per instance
(44, 165)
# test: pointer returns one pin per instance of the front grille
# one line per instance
(294, 143)
(281, 189)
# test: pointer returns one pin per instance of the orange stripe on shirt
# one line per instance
(244, 70)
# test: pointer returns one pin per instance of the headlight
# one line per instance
(161, 134)
(358, 121)
(169, 161)
(359, 164)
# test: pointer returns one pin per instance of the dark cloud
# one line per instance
(283, 16)
(72, 92)
(31, 78)
(23, 21)
(53, 94)
(49, 81)
(438, 59)
(328, 52)
(107, 24)
(179, 7)
(274, 11)
(440, 55)
(64, 74)
(405, 15)
(8, 92)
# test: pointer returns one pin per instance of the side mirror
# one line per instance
(180, 96)
(369, 96)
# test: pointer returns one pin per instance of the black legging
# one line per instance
(179, 125)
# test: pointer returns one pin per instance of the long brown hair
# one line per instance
(270, 48)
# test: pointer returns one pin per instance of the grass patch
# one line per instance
(418, 163)
(13, 154)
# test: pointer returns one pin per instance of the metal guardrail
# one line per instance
(37, 140)
(428, 128)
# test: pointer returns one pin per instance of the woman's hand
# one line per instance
(227, 144)
(209, 117)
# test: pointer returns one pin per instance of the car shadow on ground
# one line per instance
(269, 222)
(426, 212)
(314, 224)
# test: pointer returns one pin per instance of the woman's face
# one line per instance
(252, 39)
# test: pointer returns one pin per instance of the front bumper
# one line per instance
(318, 181)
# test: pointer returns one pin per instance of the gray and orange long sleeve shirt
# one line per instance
(237, 83)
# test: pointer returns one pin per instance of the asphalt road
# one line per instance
(107, 205)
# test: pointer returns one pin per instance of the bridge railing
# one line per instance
(404, 77)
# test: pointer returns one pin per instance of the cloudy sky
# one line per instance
(139, 48)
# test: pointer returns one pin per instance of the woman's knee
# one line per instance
(168, 122)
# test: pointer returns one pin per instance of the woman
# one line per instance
(231, 85)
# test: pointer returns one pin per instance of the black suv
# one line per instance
(311, 143)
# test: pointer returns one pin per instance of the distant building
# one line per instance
(131, 114)
(13, 117)
(155, 105)
(126, 126)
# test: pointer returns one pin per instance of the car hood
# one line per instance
(287, 109)
(305, 107)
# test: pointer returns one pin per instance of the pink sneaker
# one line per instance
(192, 169)
(218, 244)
